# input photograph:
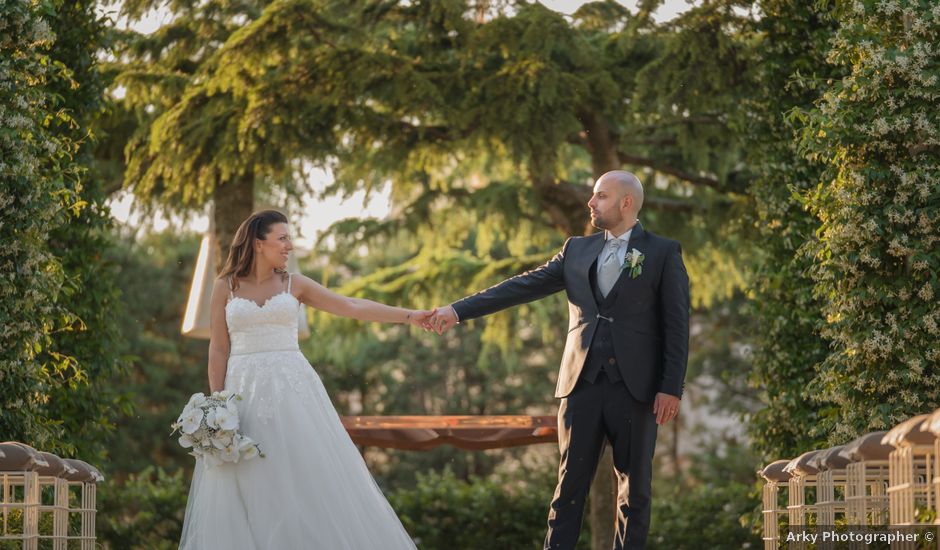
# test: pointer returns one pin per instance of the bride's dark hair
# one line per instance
(242, 254)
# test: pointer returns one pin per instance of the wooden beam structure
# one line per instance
(475, 433)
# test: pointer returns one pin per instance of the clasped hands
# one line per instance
(442, 319)
(439, 319)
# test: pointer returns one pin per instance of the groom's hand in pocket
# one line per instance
(443, 319)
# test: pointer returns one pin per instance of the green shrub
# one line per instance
(445, 513)
(710, 515)
(145, 511)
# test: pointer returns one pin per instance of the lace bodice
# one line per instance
(271, 326)
(265, 362)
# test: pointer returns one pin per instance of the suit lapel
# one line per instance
(586, 259)
(592, 251)
(636, 236)
(592, 277)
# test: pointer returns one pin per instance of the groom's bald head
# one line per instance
(628, 184)
(616, 201)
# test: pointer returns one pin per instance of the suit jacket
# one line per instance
(650, 313)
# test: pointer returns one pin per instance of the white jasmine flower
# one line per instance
(926, 292)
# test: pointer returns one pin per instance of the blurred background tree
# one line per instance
(788, 146)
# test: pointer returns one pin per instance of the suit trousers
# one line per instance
(589, 415)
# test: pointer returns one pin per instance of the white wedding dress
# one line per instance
(312, 490)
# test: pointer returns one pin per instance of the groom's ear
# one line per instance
(626, 201)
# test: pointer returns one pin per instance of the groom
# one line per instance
(625, 357)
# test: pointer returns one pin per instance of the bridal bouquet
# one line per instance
(209, 426)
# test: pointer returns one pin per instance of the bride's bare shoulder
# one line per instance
(301, 281)
(220, 293)
(305, 286)
(220, 286)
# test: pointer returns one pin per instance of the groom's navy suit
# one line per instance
(620, 351)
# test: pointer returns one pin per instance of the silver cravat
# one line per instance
(610, 269)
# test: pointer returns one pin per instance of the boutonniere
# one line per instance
(633, 260)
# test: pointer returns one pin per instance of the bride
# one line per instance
(312, 489)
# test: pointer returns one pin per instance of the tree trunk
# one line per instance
(603, 506)
(603, 497)
(601, 143)
(233, 203)
(566, 204)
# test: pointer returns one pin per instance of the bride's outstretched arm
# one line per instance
(316, 295)
(219, 345)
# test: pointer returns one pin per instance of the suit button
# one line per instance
(611, 360)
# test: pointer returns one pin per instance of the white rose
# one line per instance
(185, 441)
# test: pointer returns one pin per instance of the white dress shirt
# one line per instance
(621, 253)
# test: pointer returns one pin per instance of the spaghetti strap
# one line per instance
(288, 282)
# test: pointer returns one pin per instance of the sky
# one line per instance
(320, 213)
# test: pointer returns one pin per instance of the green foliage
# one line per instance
(15, 522)
(793, 39)
(704, 65)
(711, 515)
(144, 511)
(143, 502)
(184, 136)
(58, 295)
(82, 396)
(711, 507)
(876, 258)
(453, 110)
(33, 164)
(155, 271)
(443, 512)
